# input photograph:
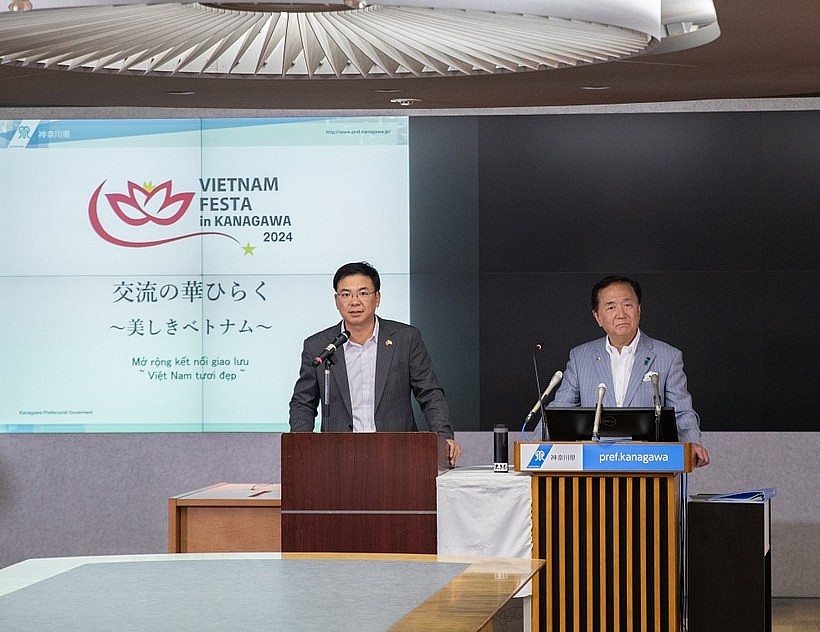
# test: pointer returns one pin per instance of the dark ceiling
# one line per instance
(766, 49)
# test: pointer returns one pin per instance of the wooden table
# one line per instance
(226, 518)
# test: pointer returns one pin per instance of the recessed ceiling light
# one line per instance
(387, 90)
(595, 87)
(405, 101)
(20, 5)
(180, 93)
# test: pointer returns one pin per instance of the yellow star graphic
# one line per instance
(249, 249)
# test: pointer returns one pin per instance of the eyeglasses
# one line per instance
(362, 295)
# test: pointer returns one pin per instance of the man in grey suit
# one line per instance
(374, 373)
(624, 361)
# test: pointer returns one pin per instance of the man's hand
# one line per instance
(700, 456)
(453, 451)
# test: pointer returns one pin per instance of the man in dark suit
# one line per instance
(374, 373)
(624, 360)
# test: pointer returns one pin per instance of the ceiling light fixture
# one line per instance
(346, 39)
(20, 5)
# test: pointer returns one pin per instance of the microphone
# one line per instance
(597, 423)
(539, 403)
(657, 394)
(556, 378)
(329, 350)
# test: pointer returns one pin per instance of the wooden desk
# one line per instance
(226, 518)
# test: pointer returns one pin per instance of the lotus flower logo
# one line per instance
(148, 203)
(145, 214)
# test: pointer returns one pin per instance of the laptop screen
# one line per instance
(625, 424)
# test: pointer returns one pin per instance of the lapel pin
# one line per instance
(388, 343)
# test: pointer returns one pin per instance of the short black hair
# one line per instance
(357, 267)
(612, 280)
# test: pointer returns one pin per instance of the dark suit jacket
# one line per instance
(403, 367)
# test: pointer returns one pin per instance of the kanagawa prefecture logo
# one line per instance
(146, 216)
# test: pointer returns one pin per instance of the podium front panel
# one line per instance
(612, 545)
(360, 492)
(360, 532)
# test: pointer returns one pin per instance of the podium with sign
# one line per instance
(607, 518)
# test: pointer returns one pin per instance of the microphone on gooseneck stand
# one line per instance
(657, 397)
(538, 346)
(598, 404)
(329, 350)
(539, 405)
(325, 357)
(656, 393)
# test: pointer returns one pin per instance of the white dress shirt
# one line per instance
(621, 364)
(361, 376)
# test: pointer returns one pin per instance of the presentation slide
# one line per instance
(161, 275)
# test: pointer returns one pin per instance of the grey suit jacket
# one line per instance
(403, 368)
(589, 366)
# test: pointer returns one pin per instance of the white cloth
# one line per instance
(485, 513)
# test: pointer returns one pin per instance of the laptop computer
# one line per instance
(617, 424)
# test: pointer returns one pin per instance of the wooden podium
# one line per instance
(607, 518)
(360, 492)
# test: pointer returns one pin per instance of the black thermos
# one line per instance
(500, 449)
